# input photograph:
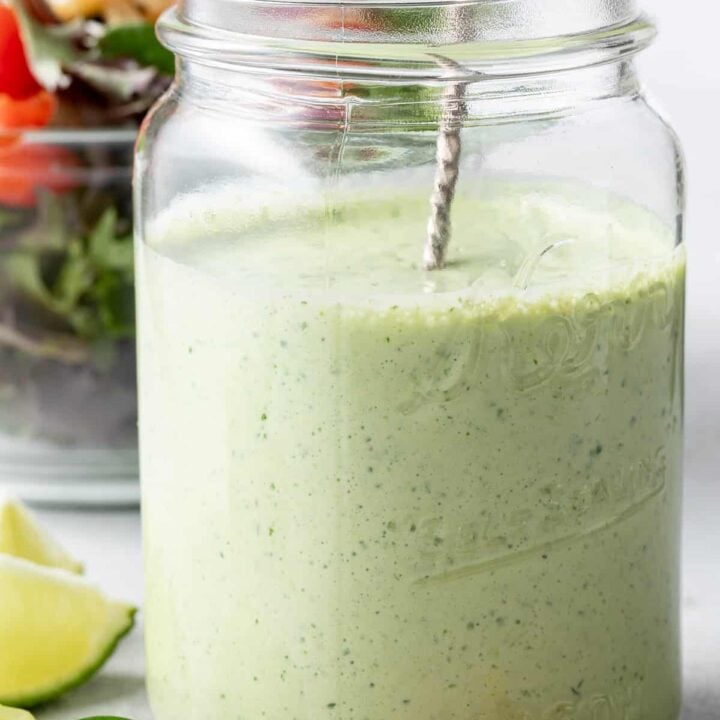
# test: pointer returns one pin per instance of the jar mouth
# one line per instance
(403, 39)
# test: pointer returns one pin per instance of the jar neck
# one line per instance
(373, 103)
(404, 22)
(401, 41)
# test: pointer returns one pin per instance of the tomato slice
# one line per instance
(16, 78)
(33, 112)
(27, 168)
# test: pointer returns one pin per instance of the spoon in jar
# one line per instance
(449, 146)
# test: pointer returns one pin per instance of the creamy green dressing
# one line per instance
(372, 492)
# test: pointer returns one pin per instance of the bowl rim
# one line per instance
(75, 136)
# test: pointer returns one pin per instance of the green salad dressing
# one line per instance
(373, 492)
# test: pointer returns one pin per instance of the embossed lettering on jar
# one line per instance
(410, 365)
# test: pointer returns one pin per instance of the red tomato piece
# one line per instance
(32, 112)
(16, 78)
(26, 168)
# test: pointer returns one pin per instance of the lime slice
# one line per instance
(8, 713)
(56, 630)
(22, 536)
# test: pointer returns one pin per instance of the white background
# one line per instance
(681, 73)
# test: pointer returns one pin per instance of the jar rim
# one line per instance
(402, 39)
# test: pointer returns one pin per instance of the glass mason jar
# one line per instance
(68, 410)
(410, 284)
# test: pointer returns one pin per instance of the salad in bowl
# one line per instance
(76, 78)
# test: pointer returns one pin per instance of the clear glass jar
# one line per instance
(385, 475)
(68, 407)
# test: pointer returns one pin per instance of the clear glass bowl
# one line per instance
(68, 403)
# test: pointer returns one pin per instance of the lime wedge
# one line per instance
(22, 536)
(56, 630)
(8, 713)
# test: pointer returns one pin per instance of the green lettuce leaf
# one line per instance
(137, 41)
(87, 285)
